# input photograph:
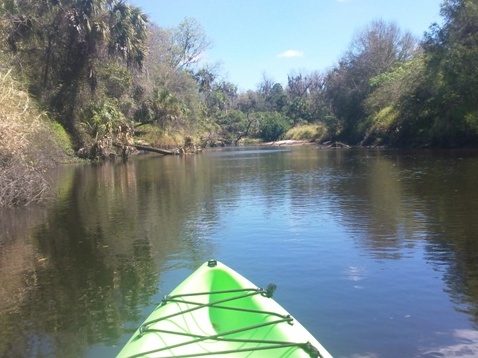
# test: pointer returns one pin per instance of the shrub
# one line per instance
(272, 126)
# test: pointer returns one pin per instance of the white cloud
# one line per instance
(291, 53)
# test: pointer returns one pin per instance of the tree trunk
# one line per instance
(155, 150)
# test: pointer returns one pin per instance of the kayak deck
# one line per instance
(217, 312)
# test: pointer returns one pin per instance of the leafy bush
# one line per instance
(272, 126)
(101, 119)
(61, 137)
(379, 127)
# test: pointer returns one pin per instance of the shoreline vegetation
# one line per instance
(30, 144)
(97, 80)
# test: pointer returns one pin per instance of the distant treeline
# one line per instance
(100, 66)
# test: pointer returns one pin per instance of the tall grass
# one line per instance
(156, 137)
(312, 132)
(27, 146)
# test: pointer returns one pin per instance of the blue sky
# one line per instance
(279, 37)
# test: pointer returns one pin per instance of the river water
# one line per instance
(374, 251)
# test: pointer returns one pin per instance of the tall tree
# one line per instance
(452, 51)
(168, 72)
(221, 98)
(305, 92)
(373, 51)
(189, 42)
(71, 38)
(272, 97)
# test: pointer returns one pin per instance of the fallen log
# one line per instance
(153, 149)
(146, 148)
(336, 144)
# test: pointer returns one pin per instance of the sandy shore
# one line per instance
(289, 142)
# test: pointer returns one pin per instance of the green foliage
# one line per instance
(380, 128)
(219, 98)
(165, 107)
(306, 98)
(61, 137)
(127, 32)
(428, 99)
(234, 124)
(188, 42)
(63, 46)
(272, 126)
(378, 49)
(79, 59)
(117, 80)
(451, 49)
(298, 110)
(101, 119)
(471, 121)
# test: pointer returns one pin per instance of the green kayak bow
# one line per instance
(217, 312)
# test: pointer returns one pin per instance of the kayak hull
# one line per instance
(218, 312)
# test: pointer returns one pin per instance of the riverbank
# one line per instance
(298, 143)
(289, 143)
(30, 144)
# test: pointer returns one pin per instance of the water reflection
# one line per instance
(466, 348)
(381, 243)
(93, 261)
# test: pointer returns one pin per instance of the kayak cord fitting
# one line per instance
(270, 290)
(195, 338)
(313, 352)
(212, 263)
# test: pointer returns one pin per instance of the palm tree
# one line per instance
(128, 33)
(71, 38)
(166, 108)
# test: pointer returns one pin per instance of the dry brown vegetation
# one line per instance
(27, 147)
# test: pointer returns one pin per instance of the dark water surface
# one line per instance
(375, 252)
